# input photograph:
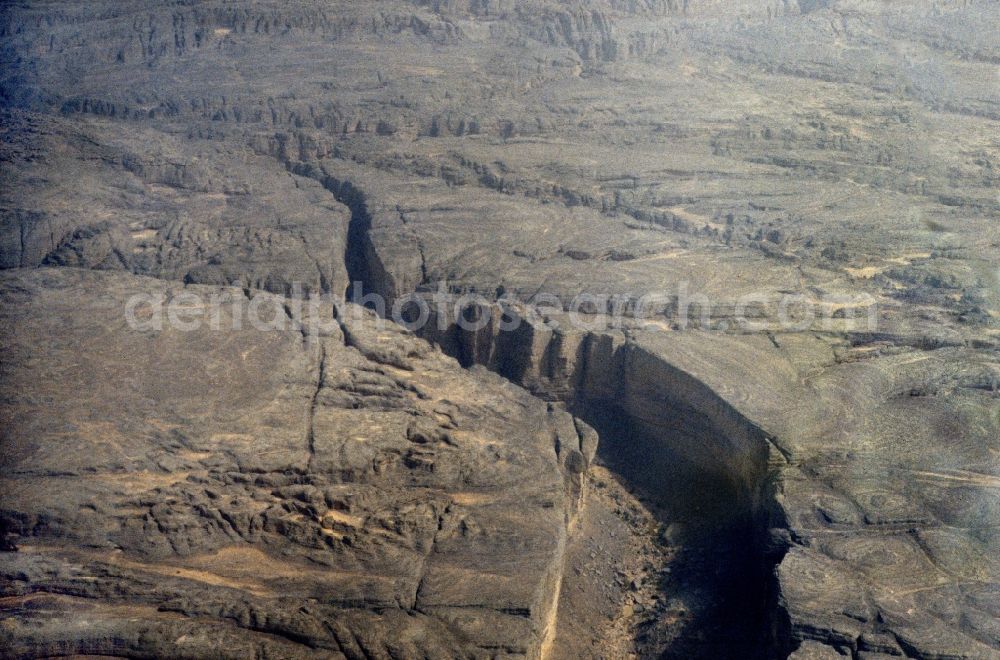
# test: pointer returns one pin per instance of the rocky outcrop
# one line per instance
(830, 154)
(847, 541)
(320, 486)
(144, 205)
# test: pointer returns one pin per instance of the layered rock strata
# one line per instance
(329, 490)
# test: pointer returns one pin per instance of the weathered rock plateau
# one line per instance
(819, 480)
(252, 493)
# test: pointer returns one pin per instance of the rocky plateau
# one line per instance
(771, 431)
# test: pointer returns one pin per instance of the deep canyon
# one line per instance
(771, 431)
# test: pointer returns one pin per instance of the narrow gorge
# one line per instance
(710, 474)
(749, 245)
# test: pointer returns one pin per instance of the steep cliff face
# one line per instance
(670, 435)
(821, 158)
(798, 525)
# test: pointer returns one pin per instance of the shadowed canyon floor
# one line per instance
(812, 474)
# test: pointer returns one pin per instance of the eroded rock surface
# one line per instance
(837, 151)
(253, 493)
